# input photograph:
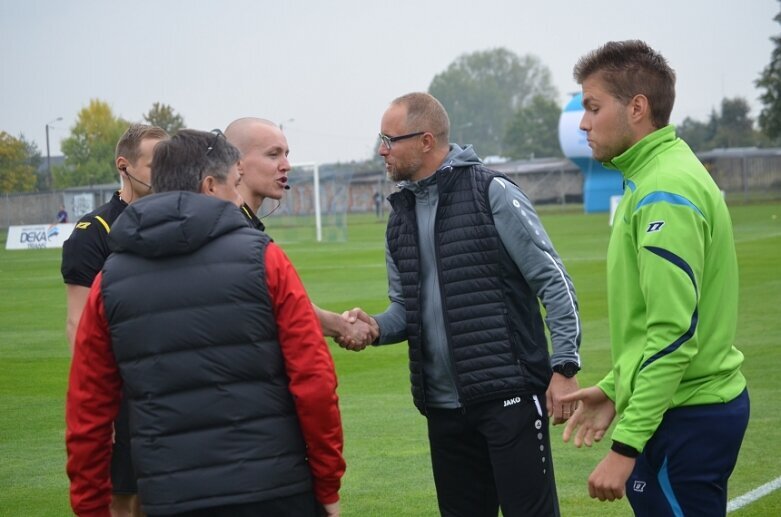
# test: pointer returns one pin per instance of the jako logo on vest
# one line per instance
(510, 402)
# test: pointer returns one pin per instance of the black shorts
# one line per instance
(123, 476)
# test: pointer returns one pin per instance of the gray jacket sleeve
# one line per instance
(392, 322)
(531, 249)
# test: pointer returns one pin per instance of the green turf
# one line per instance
(385, 439)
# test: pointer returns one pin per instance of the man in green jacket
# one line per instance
(675, 382)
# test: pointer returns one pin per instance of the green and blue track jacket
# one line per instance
(672, 289)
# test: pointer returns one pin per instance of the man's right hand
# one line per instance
(365, 326)
(331, 510)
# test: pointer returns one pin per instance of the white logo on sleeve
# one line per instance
(655, 226)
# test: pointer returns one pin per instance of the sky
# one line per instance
(326, 70)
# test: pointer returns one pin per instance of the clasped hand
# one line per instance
(362, 330)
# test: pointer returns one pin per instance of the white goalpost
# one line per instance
(317, 200)
(316, 194)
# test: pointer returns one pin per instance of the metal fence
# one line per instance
(42, 208)
(745, 173)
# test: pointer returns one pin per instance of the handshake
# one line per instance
(356, 330)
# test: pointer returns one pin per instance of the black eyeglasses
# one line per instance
(388, 140)
(217, 134)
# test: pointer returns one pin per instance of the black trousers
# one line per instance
(298, 505)
(123, 475)
(493, 454)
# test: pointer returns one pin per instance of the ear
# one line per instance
(639, 108)
(207, 185)
(428, 141)
(121, 164)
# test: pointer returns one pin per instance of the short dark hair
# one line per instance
(130, 141)
(630, 68)
(182, 162)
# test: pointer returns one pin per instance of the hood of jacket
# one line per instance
(460, 157)
(173, 223)
(457, 157)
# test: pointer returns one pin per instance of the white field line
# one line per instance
(772, 235)
(750, 497)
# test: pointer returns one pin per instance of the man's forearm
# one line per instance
(333, 324)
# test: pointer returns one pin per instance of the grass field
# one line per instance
(385, 439)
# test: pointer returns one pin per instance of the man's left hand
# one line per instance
(608, 481)
(558, 387)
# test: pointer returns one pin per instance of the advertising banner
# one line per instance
(35, 236)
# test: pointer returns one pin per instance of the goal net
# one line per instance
(313, 209)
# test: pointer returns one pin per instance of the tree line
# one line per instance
(88, 150)
(503, 103)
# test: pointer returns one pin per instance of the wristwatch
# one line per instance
(567, 369)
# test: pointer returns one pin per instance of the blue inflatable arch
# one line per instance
(599, 183)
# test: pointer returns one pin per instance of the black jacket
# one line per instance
(494, 329)
(212, 420)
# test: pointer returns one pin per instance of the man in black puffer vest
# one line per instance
(468, 262)
(231, 387)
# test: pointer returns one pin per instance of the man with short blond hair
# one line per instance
(86, 250)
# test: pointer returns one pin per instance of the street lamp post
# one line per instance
(48, 155)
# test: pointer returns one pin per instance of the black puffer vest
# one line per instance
(494, 328)
(212, 421)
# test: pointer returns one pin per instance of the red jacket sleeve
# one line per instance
(92, 405)
(310, 369)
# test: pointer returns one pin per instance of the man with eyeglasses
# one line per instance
(468, 261)
(265, 165)
(205, 325)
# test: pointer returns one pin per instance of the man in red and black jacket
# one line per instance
(83, 256)
(205, 324)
